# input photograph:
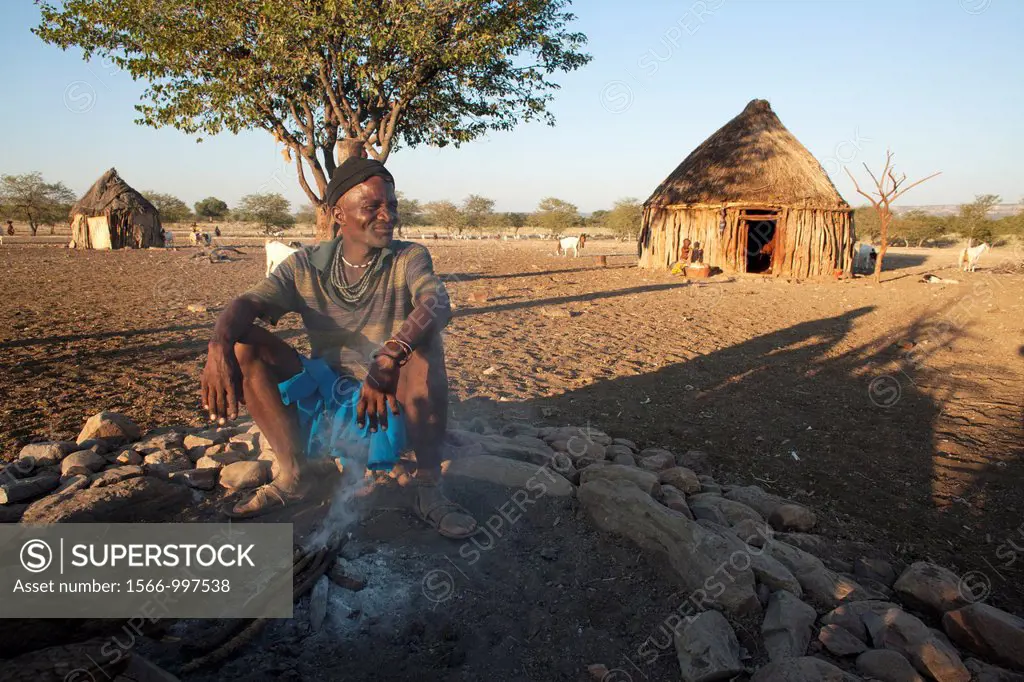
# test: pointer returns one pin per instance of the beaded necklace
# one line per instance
(351, 293)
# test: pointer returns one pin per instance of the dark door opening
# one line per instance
(760, 245)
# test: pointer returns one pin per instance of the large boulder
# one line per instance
(82, 462)
(787, 627)
(989, 632)
(112, 427)
(905, 634)
(781, 513)
(767, 571)
(697, 556)
(25, 489)
(930, 588)
(840, 642)
(117, 474)
(806, 669)
(850, 616)
(732, 512)
(509, 473)
(886, 666)
(644, 480)
(48, 453)
(707, 649)
(132, 501)
(823, 585)
(680, 477)
(792, 517)
(163, 463)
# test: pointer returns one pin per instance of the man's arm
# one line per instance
(221, 381)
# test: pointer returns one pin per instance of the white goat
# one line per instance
(864, 258)
(278, 252)
(969, 257)
(574, 243)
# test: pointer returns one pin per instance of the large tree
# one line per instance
(29, 197)
(625, 218)
(270, 210)
(210, 208)
(556, 215)
(477, 211)
(445, 214)
(409, 211)
(318, 74)
(172, 209)
(973, 222)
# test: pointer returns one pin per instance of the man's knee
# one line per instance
(247, 355)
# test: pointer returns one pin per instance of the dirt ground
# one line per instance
(896, 411)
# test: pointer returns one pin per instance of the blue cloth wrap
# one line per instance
(326, 404)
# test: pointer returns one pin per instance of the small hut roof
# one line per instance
(111, 193)
(751, 159)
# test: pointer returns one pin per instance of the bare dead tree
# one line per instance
(888, 189)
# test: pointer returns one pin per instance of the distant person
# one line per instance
(10, 228)
(685, 251)
(698, 253)
(216, 231)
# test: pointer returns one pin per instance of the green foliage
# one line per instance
(917, 227)
(29, 197)
(172, 209)
(306, 215)
(625, 217)
(269, 210)
(556, 216)
(477, 212)
(410, 212)
(211, 208)
(866, 223)
(409, 72)
(973, 222)
(445, 214)
(516, 221)
(597, 218)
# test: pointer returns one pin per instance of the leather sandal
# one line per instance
(264, 499)
(434, 511)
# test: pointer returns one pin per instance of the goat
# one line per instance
(278, 252)
(864, 258)
(574, 243)
(968, 261)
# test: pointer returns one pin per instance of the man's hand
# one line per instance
(221, 382)
(378, 391)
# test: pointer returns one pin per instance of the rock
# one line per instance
(658, 462)
(100, 446)
(200, 479)
(787, 627)
(644, 480)
(111, 427)
(205, 439)
(12, 513)
(25, 489)
(680, 477)
(620, 507)
(753, 533)
(711, 488)
(704, 510)
(466, 444)
(901, 632)
(73, 482)
(514, 429)
(732, 512)
(81, 462)
(340, 574)
(153, 441)
(137, 500)
(808, 542)
(840, 642)
(886, 666)
(821, 584)
(792, 517)
(266, 455)
(695, 460)
(707, 649)
(625, 441)
(983, 672)
(624, 460)
(930, 588)
(244, 475)
(510, 473)
(222, 456)
(806, 669)
(48, 453)
(673, 498)
(165, 462)
(578, 448)
(612, 451)
(117, 474)
(19, 468)
(128, 455)
(598, 672)
(875, 569)
(989, 632)
(318, 603)
(767, 571)
(850, 616)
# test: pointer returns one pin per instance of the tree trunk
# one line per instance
(324, 223)
(884, 238)
(34, 226)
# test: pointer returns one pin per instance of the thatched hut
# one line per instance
(755, 200)
(112, 215)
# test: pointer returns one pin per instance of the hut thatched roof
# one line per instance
(111, 193)
(751, 159)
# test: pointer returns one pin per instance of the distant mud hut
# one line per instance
(112, 215)
(755, 200)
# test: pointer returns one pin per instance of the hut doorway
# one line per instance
(759, 229)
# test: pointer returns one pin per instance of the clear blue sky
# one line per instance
(939, 81)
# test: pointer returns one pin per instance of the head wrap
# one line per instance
(350, 173)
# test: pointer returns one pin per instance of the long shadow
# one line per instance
(473, 276)
(899, 261)
(126, 333)
(856, 434)
(558, 300)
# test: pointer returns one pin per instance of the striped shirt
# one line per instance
(343, 334)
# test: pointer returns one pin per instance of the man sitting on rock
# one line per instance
(374, 309)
